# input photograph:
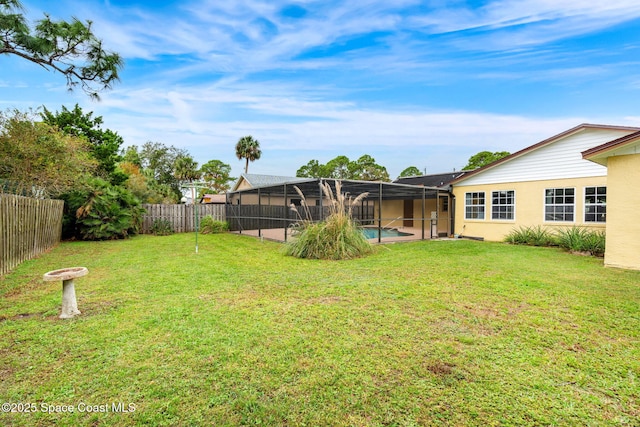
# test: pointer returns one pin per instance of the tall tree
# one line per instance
(313, 169)
(410, 171)
(131, 155)
(340, 167)
(483, 158)
(105, 144)
(39, 159)
(157, 162)
(249, 149)
(69, 48)
(185, 169)
(366, 169)
(216, 175)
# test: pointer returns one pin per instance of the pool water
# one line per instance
(372, 233)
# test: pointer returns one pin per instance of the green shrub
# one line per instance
(162, 227)
(533, 236)
(337, 237)
(100, 211)
(208, 225)
(579, 239)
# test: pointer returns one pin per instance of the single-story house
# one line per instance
(583, 177)
(586, 176)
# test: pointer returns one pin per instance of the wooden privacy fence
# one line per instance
(28, 227)
(181, 217)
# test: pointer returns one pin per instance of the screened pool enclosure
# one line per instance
(423, 212)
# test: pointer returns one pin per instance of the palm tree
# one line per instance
(185, 169)
(249, 149)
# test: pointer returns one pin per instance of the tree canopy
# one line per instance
(38, 159)
(483, 158)
(104, 144)
(157, 162)
(69, 48)
(410, 171)
(340, 167)
(185, 169)
(249, 149)
(216, 174)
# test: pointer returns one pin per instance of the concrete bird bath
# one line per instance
(69, 303)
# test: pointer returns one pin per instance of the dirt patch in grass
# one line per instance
(441, 368)
(22, 316)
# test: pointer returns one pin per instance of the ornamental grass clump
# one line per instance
(583, 240)
(337, 237)
(574, 239)
(532, 236)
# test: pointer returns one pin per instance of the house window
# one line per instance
(444, 204)
(559, 204)
(595, 204)
(503, 205)
(474, 205)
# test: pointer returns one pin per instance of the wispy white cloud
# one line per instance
(290, 124)
(201, 74)
(518, 24)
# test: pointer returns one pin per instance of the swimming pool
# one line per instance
(372, 233)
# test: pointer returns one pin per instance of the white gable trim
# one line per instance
(559, 159)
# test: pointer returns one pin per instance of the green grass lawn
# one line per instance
(426, 333)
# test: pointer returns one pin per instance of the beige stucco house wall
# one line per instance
(622, 159)
(529, 207)
(545, 185)
(623, 222)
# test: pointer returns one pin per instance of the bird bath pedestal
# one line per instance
(69, 303)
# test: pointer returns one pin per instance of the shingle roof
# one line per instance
(432, 180)
(257, 180)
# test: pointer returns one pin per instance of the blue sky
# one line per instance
(411, 83)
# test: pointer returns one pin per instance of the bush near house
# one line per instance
(574, 239)
(532, 236)
(577, 239)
